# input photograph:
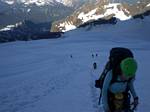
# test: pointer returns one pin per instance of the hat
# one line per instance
(128, 67)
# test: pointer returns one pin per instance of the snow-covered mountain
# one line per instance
(69, 3)
(94, 13)
(14, 11)
(27, 30)
(30, 2)
(100, 10)
(12, 14)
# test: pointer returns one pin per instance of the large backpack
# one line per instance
(117, 54)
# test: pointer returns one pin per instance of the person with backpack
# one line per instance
(116, 81)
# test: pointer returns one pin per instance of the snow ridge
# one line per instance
(112, 9)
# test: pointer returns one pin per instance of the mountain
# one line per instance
(69, 3)
(76, 3)
(31, 2)
(27, 30)
(100, 11)
(14, 13)
(88, 15)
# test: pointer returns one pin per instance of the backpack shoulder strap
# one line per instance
(115, 72)
(129, 80)
(104, 73)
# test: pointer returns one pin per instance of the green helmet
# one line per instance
(128, 67)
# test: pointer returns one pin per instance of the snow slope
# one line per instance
(40, 76)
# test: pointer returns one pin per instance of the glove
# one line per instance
(135, 103)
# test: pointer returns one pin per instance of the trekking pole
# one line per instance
(99, 102)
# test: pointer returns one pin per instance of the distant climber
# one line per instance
(95, 65)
